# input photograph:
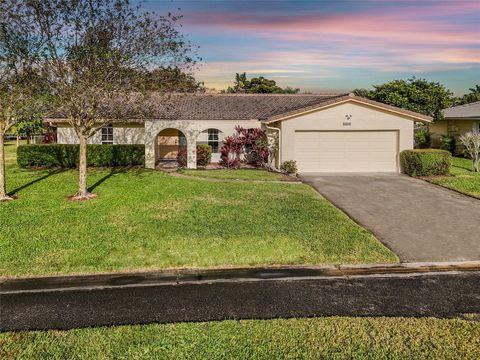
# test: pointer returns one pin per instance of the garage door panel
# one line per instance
(346, 151)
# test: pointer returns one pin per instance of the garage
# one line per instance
(346, 151)
(347, 134)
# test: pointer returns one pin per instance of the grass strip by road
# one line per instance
(320, 338)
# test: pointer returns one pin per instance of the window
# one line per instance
(213, 140)
(477, 126)
(107, 134)
(248, 147)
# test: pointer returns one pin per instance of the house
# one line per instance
(323, 133)
(457, 120)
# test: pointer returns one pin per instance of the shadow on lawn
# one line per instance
(47, 175)
(115, 171)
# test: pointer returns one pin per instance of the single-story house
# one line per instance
(457, 120)
(322, 133)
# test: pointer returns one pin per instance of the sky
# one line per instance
(333, 46)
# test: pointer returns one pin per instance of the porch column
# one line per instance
(191, 151)
(150, 142)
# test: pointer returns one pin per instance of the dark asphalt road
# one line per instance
(428, 294)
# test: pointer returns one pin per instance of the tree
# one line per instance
(413, 94)
(166, 79)
(29, 127)
(90, 49)
(258, 85)
(472, 96)
(21, 85)
(471, 141)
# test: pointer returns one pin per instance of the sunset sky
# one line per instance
(333, 45)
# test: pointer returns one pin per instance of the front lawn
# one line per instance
(240, 174)
(463, 178)
(145, 219)
(321, 338)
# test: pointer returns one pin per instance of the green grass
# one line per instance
(146, 219)
(322, 338)
(463, 178)
(240, 174)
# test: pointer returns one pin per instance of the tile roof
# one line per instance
(265, 107)
(467, 111)
(235, 106)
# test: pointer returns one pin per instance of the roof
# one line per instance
(351, 98)
(265, 107)
(467, 111)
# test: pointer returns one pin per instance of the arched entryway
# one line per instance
(169, 143)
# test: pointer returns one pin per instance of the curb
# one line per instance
(198, 276)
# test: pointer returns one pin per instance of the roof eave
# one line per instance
(404, 113)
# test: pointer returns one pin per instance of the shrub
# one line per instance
(447, 142)
(425, 162)
(66, 155)
(257, 142)
(422, 138)
(182, 157)
(204, 156)
(290, 166)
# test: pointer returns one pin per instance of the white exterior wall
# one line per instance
(363, 117)
(125, 134)
(194, 132)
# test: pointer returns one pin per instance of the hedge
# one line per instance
(425, 162)
(66, 155)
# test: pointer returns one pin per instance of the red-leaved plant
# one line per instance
(234, 146)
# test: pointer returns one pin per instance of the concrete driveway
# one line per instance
(417, 220)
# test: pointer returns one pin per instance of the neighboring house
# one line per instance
(457, 121)
(324, 133)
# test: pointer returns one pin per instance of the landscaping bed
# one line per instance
(329, 338)
(146, 219)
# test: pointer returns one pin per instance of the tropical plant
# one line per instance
(472, 96)
(422, 137)
(254, 143)
(471, 141)
(448, 142)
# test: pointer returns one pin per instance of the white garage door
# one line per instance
(346, 151)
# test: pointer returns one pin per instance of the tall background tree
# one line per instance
(472, 96)
(94, 53)
(258, 85)
(419, 95)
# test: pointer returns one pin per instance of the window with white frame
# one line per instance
(249, 147)
(476, 126)
(107, 134)
(213, 140)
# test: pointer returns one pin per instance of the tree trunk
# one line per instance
(3, 188)
(18, 140)
(82, 168)
(475, 164)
